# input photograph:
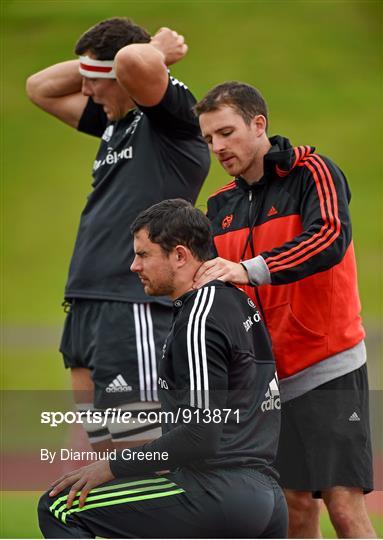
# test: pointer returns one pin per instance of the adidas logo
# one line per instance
(119, 384)
(354, 418)
(272, 400)
(272, 211)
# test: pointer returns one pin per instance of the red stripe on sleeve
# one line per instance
(328, 232)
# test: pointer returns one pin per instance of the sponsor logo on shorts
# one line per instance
(354, 417)
(118, 384)
(272, 400)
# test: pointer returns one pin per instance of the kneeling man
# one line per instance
(220, 412)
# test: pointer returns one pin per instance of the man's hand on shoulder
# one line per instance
(221, 269)
(83, 480)
(171, 44)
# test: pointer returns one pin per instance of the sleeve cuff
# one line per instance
(257, 270)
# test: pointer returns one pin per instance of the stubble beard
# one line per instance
(160, 288)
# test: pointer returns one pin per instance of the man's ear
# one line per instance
(182, 254)
(259, 123)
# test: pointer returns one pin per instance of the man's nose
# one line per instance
(134, 267)
(218, 145)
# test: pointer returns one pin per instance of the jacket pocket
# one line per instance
(295, 345)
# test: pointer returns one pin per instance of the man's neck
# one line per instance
(256, 171)
(185, 283)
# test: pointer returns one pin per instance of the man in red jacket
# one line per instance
(282, 231)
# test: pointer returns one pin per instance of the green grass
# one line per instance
(34, 369)
(318, 64)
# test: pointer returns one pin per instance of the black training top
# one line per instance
(217, 386)
(152, 154)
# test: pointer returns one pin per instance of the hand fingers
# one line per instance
(66, 481)
(64, 476)
(73, 492)
(214, 273)
(84, 493)
(59, 480)
(204, 268)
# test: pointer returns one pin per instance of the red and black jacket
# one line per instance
(297, 218)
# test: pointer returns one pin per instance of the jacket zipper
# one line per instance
(252, 220)
(251, 226)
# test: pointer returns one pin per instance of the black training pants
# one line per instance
(221, 503)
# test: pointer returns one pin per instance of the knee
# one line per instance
(342, 511)
(44, 504)
(302, 507)
(43, 511)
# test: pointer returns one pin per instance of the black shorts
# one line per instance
(121, 343)
(325, 437)
(234, 503)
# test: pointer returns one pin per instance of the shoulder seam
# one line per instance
(231, 185)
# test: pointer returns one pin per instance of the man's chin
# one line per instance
(151, 291)
(231, 170)
(148, 290)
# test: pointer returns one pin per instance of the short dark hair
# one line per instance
(176, 222)
(106, 38)
(242, 97)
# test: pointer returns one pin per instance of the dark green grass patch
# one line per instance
(317, 63)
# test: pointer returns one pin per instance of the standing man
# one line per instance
(220, 407)
(282, 230)
(120, 90)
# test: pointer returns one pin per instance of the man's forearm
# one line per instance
(180, 446)
(55, 81)
(141, 68)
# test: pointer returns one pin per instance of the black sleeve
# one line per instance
(183, 444)
(174, 115)
(326, 226)
(201, 358)
(93, 120)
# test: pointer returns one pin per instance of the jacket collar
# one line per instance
(279, 161)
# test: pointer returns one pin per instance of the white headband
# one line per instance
(96, 69)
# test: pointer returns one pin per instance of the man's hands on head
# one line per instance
(171, 44)
(222, 269)
(141, 68)
(83, 480)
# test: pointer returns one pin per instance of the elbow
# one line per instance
(127, 62)
(136, 60)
